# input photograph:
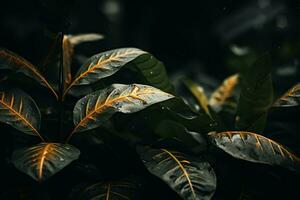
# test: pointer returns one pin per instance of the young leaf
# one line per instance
(12, 61)
(86, 37)
(44, 160)
(255, 148)
(20, 111)
(191, 178)
(95, 108)
(103, 65)
(290, 98)
(116, 190)
(153, 72)
(256, 96)
(224, 91)
(199, 94)
(68, 51)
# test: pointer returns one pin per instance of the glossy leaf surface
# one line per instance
(191, 178)
(19, 110)
(92, 110)
(12, 61)
(255, 148)
(103, 65)
(44, 160)
(290, 98)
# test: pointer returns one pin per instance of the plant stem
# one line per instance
(61, 88)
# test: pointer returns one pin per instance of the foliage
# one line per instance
(113, 154)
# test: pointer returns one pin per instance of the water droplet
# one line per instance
(151, 72)
(61, 159)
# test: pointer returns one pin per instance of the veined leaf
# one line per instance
(224, 91)
(20, 111)
(191, 178)
(199, 94)
(290, 98)
(103, 65)
(255, 148)
(256, 96)
(85, 37)
(95, 108)
(12, 61)
(153, 72)
(44, 160)
(116, 190)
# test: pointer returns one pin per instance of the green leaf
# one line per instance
(103, 65)
(190, 177)
(20, 111)
(92, 110)
(12, 61)
(290, 98)
(255, 148)
(256, 96)
(199, 94)
(114, 190)
(153, 71)
(44, 160)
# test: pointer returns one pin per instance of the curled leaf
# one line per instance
(190, 177)
(255, 148)
(224, 91)
(92, 110)
(44, 160)
(290, 98)
(199, 94)
(103, 65)
(12, 61)
(20, 111)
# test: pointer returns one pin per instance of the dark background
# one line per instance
(203, 40)
(183, 34)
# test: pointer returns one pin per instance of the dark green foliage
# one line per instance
(177, 142)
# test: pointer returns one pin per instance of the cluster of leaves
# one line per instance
(174, 142)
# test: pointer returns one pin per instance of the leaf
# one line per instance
(69, 42)
(92, 110)
(255, 148)
(191, 178)
(44, 160)
(199, 94)
(256, 96)
(12, 61)
(20, 111)
(115, 190)
(86, 37)
(153, 72)
(290, 98)
(103, 65)
(68, 50)
(224, 91)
